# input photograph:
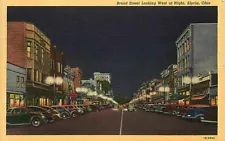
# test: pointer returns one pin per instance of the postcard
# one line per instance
(112, 70)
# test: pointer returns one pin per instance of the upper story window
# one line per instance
(17, 81)
(22, 82)
(58, 67)
(28, 48)
(42, 56)
(29, 73)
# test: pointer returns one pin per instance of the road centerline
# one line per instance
(121, 123)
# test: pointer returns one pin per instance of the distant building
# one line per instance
(102, 76)
(68, 85)
(16, 85)
(91, 83)
(168, 79)
(57, 70)
(196, 54)
(78, 76)
(28, 47)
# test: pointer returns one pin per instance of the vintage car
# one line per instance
(194, 114)
(22, 116)
(47, 114)
(211, 115)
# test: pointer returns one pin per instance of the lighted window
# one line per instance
(18, 81)
(22, 82)
(58, 67)
(28, 51)
(36, 79)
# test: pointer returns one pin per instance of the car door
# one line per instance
(25, 116)
(15, 116)
(11, 116)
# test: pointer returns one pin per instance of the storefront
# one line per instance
(15, 100)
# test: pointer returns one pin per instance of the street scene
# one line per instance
(76, 71)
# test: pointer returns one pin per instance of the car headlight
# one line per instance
(188, 115)
(42, 116)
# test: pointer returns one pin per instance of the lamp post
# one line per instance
(190, 81)
(164, 89)
(54, 81)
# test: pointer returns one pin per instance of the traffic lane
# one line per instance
(106, 122)
(150, 123)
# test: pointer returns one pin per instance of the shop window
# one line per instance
(22, 82)
(18, 81)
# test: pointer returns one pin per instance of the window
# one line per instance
(22, 82)
(28, 52)
(16, 111)
(61, 68)
(40, 77)
(42, 56)
(188, 45)
(29, 74)
(36, 53)
(36, 76)
(58, 67)
(43, 78)
(18, 81)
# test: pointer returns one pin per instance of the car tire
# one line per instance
(64, 116)
(36, 122)
(73, 115)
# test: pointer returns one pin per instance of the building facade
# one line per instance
(196, 54)
(68, 85)
(16, 86)
(57, 70)
(102, 76)
(168, 76)
(29, 47)
(78, 76)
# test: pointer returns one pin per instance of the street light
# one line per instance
(164, 89)
(54, 81)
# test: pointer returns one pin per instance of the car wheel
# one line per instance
(74, 115)
(64, 116)
(36, 122)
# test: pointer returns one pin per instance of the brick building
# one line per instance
(28, 47)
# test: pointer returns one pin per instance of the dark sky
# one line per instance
(134, 44)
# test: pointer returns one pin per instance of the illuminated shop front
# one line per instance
(15, 100)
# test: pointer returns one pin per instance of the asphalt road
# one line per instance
(110, 122)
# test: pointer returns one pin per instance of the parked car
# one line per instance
(47, 114)
(195, 114)
(64, 113)
(55, 113)
(73, 112)
(22, 116)
(211, 115)
(159, 108)
(95, 108)
(181, 110)
(169, 109)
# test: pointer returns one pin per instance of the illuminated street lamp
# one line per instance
(54, 81)
(164, 89)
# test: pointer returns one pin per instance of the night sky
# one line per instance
(134, 44)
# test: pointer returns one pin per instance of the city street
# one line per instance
(111, 122)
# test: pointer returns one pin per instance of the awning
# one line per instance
(198, 97)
